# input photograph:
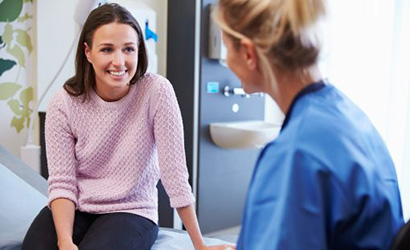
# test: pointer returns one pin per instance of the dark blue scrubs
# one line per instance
(327, 181)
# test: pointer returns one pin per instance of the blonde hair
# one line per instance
(283, 31)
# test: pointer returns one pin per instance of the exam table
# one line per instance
(23, 193)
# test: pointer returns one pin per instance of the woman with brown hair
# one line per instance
(111, 134)
(327, 181)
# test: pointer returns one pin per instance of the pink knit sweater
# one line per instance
(108, 156)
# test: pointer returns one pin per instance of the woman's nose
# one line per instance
(118, 59)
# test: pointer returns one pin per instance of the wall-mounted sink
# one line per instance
(245, 134)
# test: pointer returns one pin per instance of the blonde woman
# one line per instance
(327, 181)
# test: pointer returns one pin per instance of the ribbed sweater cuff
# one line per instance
(62, 194)
(182, 201)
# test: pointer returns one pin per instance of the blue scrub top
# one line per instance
(327, 181)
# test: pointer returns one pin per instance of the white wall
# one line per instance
(56, 31)
(273, 113)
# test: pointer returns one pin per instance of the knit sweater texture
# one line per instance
(107, 157)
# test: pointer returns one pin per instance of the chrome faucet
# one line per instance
(227, 91)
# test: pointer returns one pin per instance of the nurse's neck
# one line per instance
(289, 84)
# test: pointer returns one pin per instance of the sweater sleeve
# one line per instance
(169, 138)
(60, 151)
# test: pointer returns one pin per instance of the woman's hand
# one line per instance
(219, 247)
(67, 246)
(188, 217)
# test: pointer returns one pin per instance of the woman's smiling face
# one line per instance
(114, 57)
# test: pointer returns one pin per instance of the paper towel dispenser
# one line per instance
(216, 47)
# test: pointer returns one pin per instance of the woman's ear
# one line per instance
(87, 52)
(248, 51)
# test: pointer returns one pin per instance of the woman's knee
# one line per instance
(120, 231)
(149, 239)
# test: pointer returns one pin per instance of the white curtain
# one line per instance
(367, 55)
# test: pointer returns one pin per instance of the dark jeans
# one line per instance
(94, 232)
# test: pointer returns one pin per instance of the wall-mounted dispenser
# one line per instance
(216, 46)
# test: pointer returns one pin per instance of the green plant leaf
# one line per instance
(24, 18)
(18, 53)
(18, 123)
(8, 33)
(6, 65)
(26, 96)
(8, 89)
(26, 1)
(24, 39)
(10, 10)
(15, 107)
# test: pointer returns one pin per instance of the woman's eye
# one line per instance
(129, 49)
(106, 49)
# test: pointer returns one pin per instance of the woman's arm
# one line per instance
(169, 137)
(188, 217)
(63, 211)
(61, 167)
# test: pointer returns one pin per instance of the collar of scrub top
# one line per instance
(316, 86)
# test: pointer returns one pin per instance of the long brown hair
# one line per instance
(84, 79)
